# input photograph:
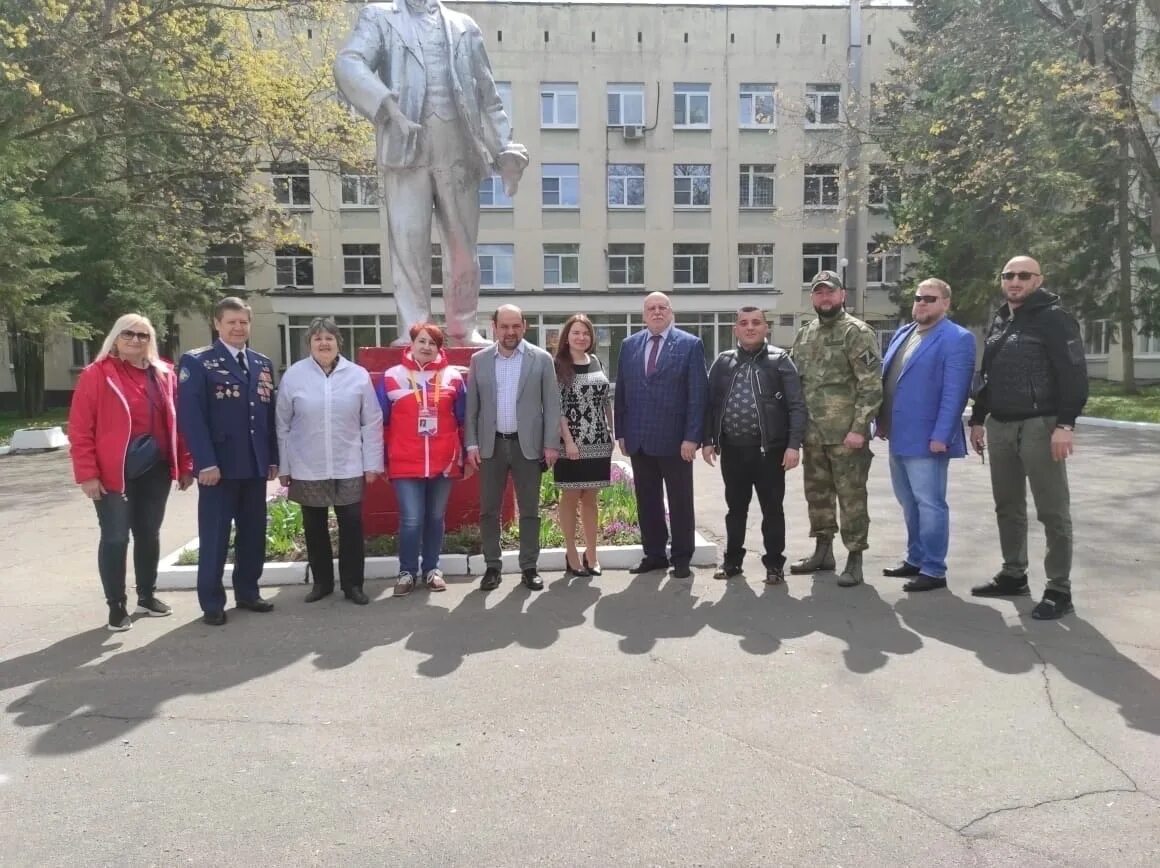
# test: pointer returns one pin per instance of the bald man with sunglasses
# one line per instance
(1031, 387)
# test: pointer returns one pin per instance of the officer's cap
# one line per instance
(827, 278)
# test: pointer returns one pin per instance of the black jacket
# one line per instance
(1033, 364)
(777, 387)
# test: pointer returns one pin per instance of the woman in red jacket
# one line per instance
(122, 430)
(424, 400)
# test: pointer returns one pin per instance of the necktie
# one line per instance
(242, 362)
(652, 355)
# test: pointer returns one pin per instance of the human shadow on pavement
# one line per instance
(645, 612)
(58, 658)
(762, 622)
(978, 628)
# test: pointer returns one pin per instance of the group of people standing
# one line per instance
(136, 426)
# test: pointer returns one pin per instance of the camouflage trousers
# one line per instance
(836, 475)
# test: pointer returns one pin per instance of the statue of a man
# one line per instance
(420, 73)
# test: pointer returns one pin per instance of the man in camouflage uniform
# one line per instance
(840, 364)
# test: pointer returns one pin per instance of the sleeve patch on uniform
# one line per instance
(183, 375)
(868, 358)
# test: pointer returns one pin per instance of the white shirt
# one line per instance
(507, 387)
(328, 427)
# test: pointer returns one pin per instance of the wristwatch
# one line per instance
(1065, 427)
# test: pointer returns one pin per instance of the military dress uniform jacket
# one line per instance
(841, 371)
(226, 416)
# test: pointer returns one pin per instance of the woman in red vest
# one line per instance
(126, 453)
(424, 400)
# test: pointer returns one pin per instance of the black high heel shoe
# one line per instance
(578, 573)
(591, 571)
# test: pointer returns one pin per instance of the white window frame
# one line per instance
(492, 188)
(504, 89)
(882, 264)
(225, 259)
(748, 95)
(621, 180)
(817, 98)
(498, 260)
(754, 255)
(365, 187)
(684, 186)
(1146, 345)
(288, 181)
(813, 178)
(883, 181)
(623, 91)
(436, 265)
(686, 96)
(689, 260)
(749, 174)
(558, 254)
(822, 261)
(618, 255)
(560, 181)
(1105, 330)
(360, 260)
(291, 259)
(559, 93)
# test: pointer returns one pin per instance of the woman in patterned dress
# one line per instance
(586, 428)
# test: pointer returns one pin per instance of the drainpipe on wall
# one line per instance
(855, 250)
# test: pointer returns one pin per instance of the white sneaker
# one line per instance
(404, 584)
(434, 580)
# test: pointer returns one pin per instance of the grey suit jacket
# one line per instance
(537, 403)
(382, 57)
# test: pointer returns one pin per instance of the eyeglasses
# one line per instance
(1022, 275)
(130, 335)
(927, 299)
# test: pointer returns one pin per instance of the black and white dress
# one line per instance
(583, 404)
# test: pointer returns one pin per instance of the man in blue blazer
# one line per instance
(926, 377)
(662, 386)
(225, 410)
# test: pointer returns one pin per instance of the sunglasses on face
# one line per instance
(927, 299)
(1022, 275)
(129, 335)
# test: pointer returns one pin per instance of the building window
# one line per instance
(83, 352)
(362, 330)
(757, 186)
(436, 266)
(691, 185)
(885, 188)
(504, 89)
(626, 265)
(291, 184)
(690, 265)
(1097, 337)
(359, 189)
(495, 265)
(823, 104)
(294, 266)
(560, 185)
(883, 266)
(758, 106)
(785, 320)
(691, 105)
(626, 185)
(228, 263)
(625, 105)
(492, 194)
(1147, 345)
(883, 98)
(821, 186)
(562, 265)
(361, 266)
(818, 257)
(559, 106)
(755, 263)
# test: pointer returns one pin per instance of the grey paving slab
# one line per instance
(634, 721)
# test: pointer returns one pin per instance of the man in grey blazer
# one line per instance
(513, 423)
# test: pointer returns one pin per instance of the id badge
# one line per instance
(428, 423)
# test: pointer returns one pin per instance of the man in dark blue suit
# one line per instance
(225, 410)
(926, 376)
(662, 386)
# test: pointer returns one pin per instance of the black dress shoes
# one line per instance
(214, 619)
(905, 569)
(591, 570)
(255, 605)
(356, 596)
(924, 583)
(532, 581)
(318, 592)
(491, 579)
(681, 571)
(649, 565)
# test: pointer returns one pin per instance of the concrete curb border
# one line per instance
(1097, 422)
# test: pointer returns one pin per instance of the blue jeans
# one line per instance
(422, 506)
(920, 484)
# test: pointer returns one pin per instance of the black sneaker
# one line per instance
(727, 570)
(1003, 586)
(774, 576)
(1053, 605)
(119, 620)
(152, 607)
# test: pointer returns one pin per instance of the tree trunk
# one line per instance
(28, 361)
(1124, 302)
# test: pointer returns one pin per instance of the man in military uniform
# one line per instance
(225, 411)
(840, 364)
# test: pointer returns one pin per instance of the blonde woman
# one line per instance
(126, 453)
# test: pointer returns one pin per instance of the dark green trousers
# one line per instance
(1020, 454)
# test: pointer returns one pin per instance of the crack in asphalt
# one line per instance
(68, 717)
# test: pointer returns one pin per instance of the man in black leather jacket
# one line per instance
(1032, 386)
(755, 420)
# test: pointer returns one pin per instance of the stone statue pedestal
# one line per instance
(380, 508)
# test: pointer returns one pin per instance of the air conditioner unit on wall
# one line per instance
(632, 134)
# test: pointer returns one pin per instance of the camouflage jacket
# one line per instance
(841, 371)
